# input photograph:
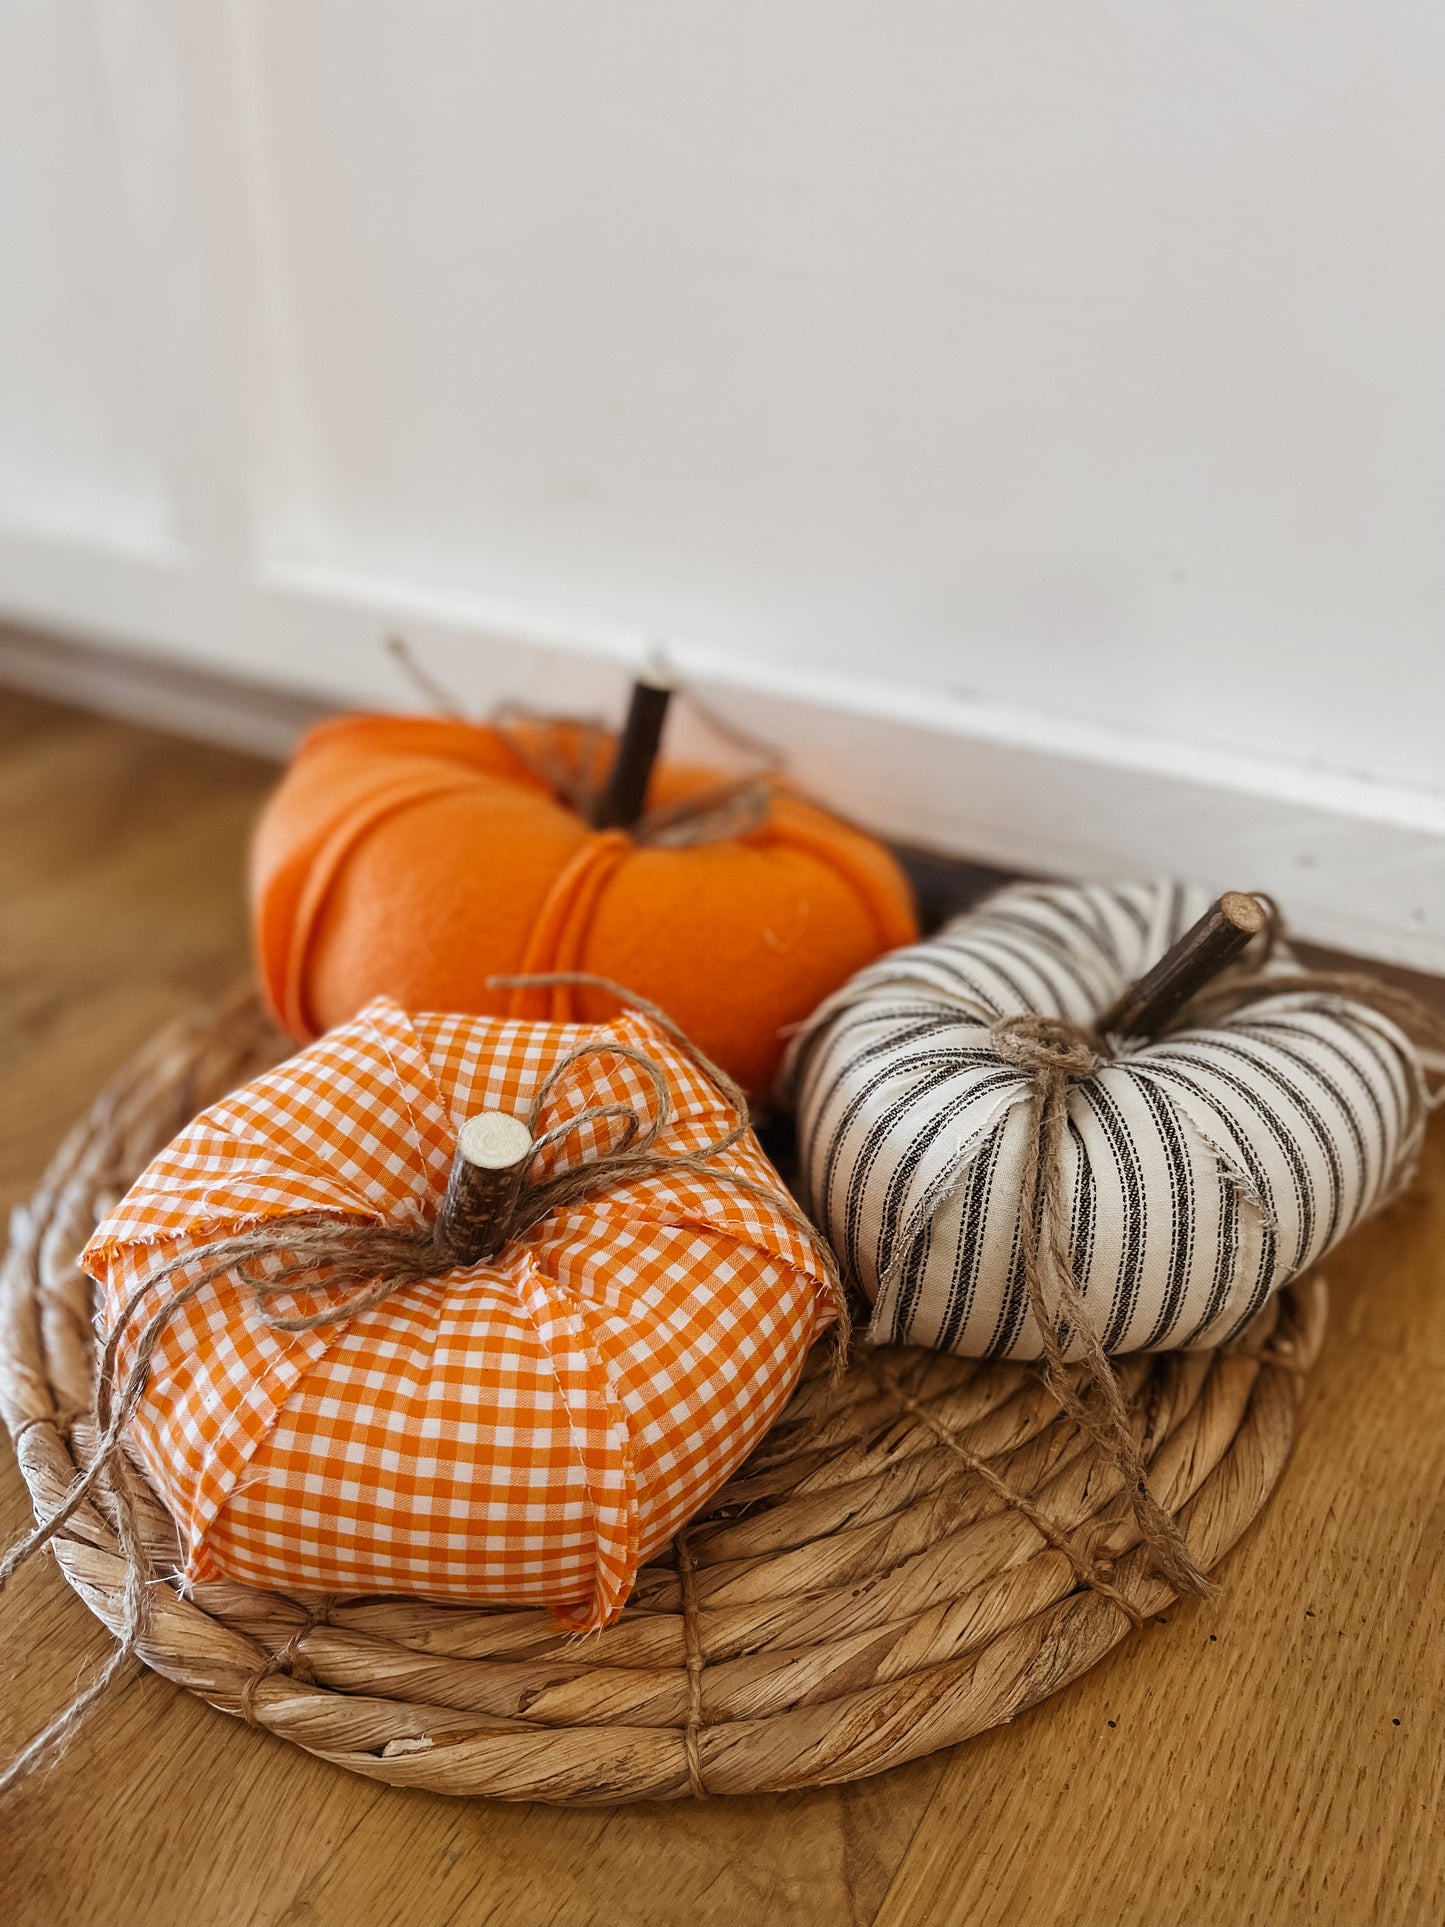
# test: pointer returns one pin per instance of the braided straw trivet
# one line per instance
(918, 1551)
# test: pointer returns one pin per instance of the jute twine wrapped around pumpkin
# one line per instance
(352, 1268)
(1055, 1053)
(1014, 1156)
(923, 1546)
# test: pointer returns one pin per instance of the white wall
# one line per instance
(1058, 388)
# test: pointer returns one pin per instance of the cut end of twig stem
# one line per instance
(622, 801)
(1244, 912)
(1218, 938)
(493, 1151)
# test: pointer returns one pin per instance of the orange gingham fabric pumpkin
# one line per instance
(525, 1431)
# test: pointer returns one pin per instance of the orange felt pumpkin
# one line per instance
(415, 857)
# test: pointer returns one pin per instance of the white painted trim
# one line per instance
(161, 694)
(1358, 865)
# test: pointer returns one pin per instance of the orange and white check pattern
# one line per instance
(526, 1431)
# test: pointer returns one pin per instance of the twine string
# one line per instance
(693, 1655)
(578, 778)
(1241, 984)
(288, 1658)
(1086, 1570)
(313, 1252)
(1056, 1053)
(727, 809)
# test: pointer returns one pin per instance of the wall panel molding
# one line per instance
(1032, 416)
(1358, 865)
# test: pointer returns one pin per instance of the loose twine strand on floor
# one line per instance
(310, 1252)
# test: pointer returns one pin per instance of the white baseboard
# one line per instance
(1356, 865)
(161, 693)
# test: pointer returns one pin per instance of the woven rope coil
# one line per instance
(918, 1551)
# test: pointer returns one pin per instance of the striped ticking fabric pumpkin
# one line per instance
(1202, 1170)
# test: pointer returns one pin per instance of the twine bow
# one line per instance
(1055, 1054)
(314, 1251)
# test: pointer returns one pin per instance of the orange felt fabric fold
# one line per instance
(415, 857)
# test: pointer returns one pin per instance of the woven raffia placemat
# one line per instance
(919, 1550)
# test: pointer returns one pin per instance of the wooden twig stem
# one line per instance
(1186, 967)
(622, 801)
(493, 1149)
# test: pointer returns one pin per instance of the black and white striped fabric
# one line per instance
(1202, 1171)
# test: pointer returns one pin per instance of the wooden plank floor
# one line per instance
(1275, 1755)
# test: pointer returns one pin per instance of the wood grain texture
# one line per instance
(1253, 1770)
